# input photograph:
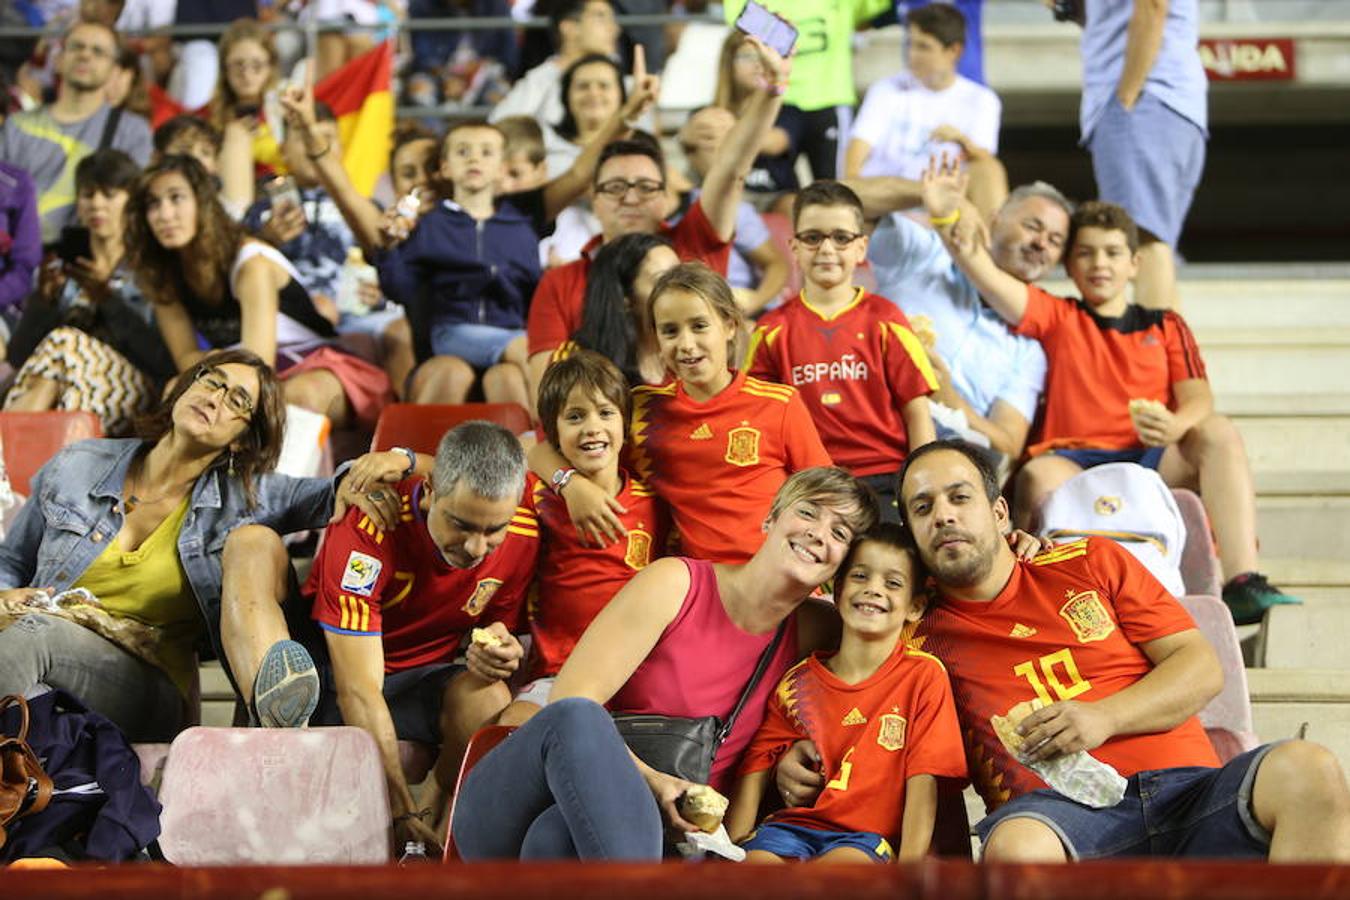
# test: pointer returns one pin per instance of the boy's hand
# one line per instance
(594, 513)
(798, 776)
(494, 662)
(943, 186)
(948, 134)
(1156, 425)
(298, 101)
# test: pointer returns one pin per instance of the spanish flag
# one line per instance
(361, 96)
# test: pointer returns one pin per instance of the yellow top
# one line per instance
(148, 584)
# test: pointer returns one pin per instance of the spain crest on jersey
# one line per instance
(891, 732)
(1087, 616)
(639, 549)
(482, 593)
(743, 446)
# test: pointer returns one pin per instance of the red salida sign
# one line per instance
(1248, 59)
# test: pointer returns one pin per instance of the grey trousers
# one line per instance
(139, 698)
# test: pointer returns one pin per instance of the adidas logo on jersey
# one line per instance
(854, 717)
(701, 433)
(1021, 631)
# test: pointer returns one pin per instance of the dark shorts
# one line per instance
(800, 842)
(415, 697)
(1191, 811)
(1086, 457)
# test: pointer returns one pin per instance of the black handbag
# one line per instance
(685, 747)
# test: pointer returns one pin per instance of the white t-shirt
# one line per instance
(899, 114)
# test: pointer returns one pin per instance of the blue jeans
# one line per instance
(562, 786)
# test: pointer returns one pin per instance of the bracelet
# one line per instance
(315, 157)
(778, 88)
(943, 221)
(418, 814)
(561, 478)
(412, 461)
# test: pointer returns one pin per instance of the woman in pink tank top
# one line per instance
(682, 638)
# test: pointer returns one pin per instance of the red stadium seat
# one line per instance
(32, 438)
(780, 229)
(483, 740)
(420, 426)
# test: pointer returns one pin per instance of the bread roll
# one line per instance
(1006, 726)
(485, 637)
(704, 807)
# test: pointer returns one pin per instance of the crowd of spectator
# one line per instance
(735, 496)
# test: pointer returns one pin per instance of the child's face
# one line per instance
(522, 175)
(875, 595)
(1101, 264)
(473, 158)
(692, 338)
(248, 68)
(590, 432)
(199, 148)
(928, 60)
(828, 265)
(100, 210)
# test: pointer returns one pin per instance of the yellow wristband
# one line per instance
(943, 221)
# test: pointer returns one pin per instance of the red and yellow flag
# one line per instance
(361, 96)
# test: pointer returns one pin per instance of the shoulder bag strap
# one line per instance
(110, 128)
(760, 668)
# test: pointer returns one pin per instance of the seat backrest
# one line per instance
(420, 426)
(780, 229)
(266, 796)
(1199, 563)
(32, 438)
(483, 740)
(1228, 717)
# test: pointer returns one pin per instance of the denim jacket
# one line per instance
(74, 511)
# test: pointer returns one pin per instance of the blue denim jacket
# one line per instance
(74, 511)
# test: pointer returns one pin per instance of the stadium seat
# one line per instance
(483, 740)
(266, 796)
(1199, 562)
(32, 438)
(419, 426)
(780, 229)
(1228, 717)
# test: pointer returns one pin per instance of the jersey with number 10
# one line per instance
(1066, 626)
(872, 736)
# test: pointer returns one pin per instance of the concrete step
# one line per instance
(1297, 571)
(1310, 527)
(1272, 336)
(1273, 303)
(1277, 369)
(1306, 483)
(1314, 635)
(1239, 404)
(1308, 703)
(1296, 443)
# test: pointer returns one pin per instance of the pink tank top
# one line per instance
(700, 665)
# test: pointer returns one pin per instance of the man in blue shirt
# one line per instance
(987, 375)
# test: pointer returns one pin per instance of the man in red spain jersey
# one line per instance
(880, 714)
(584, 406)
(861, 371)
(396, 607)
(1124, 384)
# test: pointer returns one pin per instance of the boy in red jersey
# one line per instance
(861, 371)
(397, 606)
(1125, 384)
(584, 407)
(1085, 627)
(880, 714)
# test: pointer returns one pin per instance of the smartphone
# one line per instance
(769, 27)
(74, 244)
(281, 191)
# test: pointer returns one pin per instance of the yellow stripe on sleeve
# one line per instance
(917, 354)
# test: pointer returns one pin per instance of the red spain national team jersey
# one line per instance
(576, 580)
(855, 370)
(396, 584)
(555, 311)
(1098, 365)
(719, 463)
(1067, 626)
(871, 736)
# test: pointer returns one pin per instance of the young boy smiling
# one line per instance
(1125, 383)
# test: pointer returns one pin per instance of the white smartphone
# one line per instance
(769, 27)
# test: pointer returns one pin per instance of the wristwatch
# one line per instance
(412, 461)
(560, 479)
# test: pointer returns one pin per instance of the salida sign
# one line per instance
(1248, 59)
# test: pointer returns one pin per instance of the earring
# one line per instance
(231, 469)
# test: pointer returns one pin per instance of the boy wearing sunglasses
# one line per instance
(852, 355)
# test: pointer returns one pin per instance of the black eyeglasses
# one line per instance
(237, 399)
(618, 188)
(840, 238)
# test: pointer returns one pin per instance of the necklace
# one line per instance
(131, 501)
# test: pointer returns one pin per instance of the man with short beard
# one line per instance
(51, 140)
(990, 375)
(1121, 672)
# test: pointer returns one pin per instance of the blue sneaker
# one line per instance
(286, 690)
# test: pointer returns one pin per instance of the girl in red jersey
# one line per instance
(714, 443)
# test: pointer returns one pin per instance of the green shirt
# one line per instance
(822, 67)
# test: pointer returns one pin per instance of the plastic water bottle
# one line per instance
(355, 271)
(414, 852)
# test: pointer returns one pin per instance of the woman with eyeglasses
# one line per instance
(246, 100)
(213, 286)
(740, 73)
(140, 524)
